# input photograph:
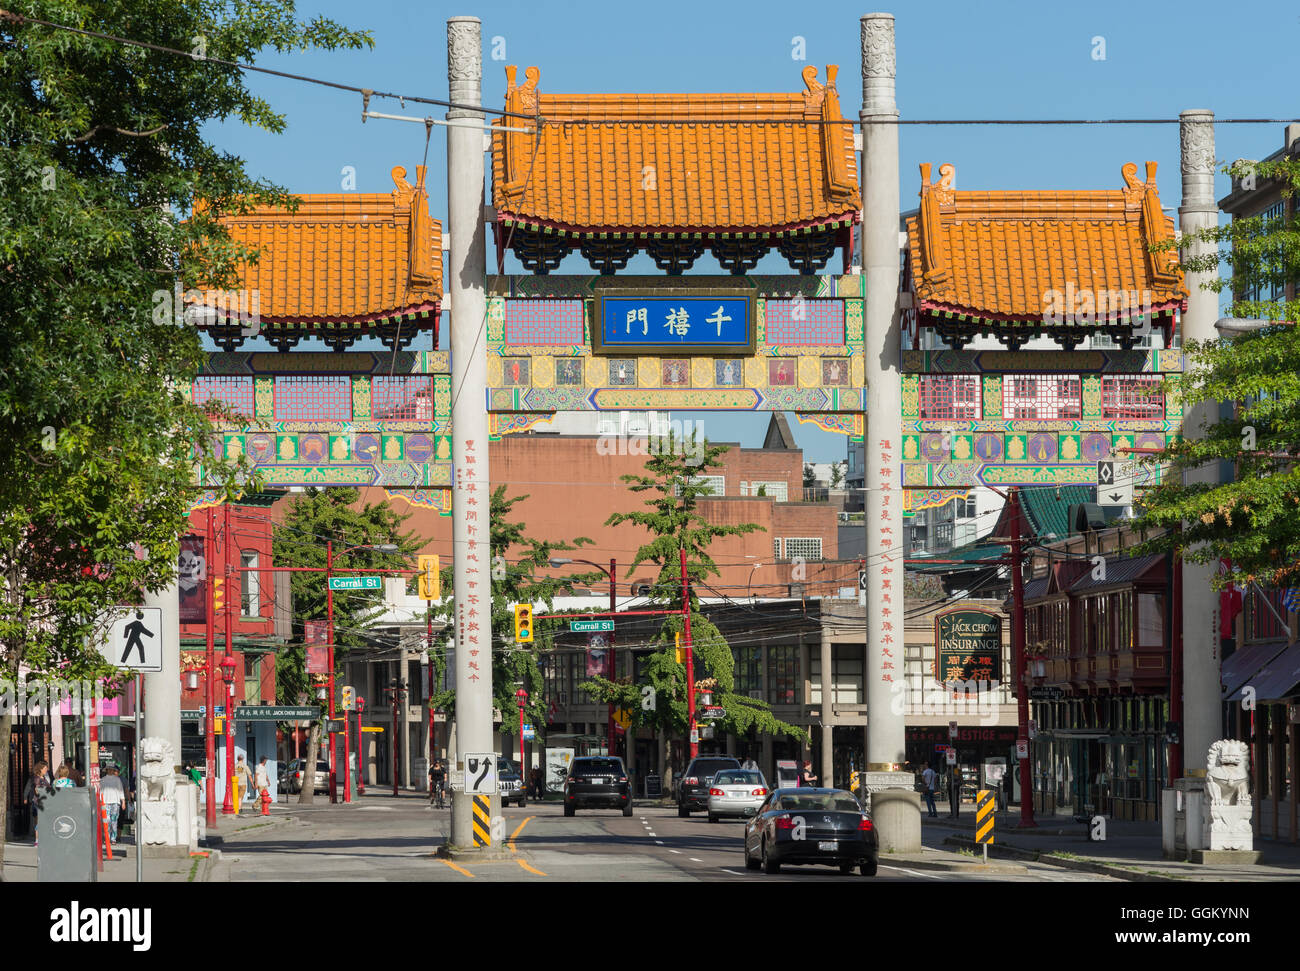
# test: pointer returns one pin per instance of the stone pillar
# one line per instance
(826, 772)
(885, 742)
(162, 691)
(1201, 699)
(466, 277)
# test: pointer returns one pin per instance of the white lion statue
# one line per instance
(157, 804)
(1228, 773)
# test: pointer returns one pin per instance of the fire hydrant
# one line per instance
(266, 802)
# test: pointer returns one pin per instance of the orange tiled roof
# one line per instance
(996, 255)
(347, 256)
(644, 176)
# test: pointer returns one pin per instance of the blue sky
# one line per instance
(955, 60)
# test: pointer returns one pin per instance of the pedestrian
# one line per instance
(244, 777)
(749, 764)
(930, 778)
(113, 794)
(535, 783)
(437, 783)
(262, 781)
(63, 778)
(38, 787)
(75, 774)
(808, 778)
(195, 775)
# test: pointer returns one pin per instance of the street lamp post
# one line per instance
(397, 690)
(210, 695)
(228, 676)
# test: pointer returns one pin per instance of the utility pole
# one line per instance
(613, 661)
(329, 623)
(228, 664)
(1019, 662)
(210, 693)
(690, 661)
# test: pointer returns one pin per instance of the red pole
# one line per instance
(347, 761)
(1175, 641)
(428, 710)
(397, 691)
(329, 615)
(613, 664)
(210, 694)
(523, 777)
(690, 659)
(228, 806)
(1019, 661)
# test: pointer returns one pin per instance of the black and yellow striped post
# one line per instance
(482, 821)
(985, 803)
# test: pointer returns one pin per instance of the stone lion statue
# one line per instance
(1228, 773)
(157, 775)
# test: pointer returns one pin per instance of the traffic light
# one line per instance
(523, 623)
(430, 578)
(347, 698)
(218, 593)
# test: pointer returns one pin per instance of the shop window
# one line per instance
(783, 675)
(1043, 397)
(249, 585)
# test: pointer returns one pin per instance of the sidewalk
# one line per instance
(20, 864)
(1130, 851)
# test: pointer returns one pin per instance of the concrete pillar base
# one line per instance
(896, 815)
(462, 824)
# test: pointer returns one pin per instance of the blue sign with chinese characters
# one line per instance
(669, 324)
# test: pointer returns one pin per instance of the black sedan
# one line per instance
(806, 825)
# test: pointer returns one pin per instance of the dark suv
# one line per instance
(598, 780)
(693, 792)
(510, 783)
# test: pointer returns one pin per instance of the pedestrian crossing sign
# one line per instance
(131, 638)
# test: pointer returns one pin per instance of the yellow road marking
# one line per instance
(530, 869)
(458, 869)
(516, 832)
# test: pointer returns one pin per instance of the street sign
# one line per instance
(621, 718)
(862, 579)
(274, 713)
(712, 712)
(356, 583)
(951, 756)
(1040, 693)
(952, 729)
(1032, 728)
(590, 626)
(134, 640)
(372, 728)
(695, 736)
(985, 803)
(1115, 483)
(1022, 748)
(530, 733)
(481, 774)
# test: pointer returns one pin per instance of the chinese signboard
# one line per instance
(665, 324)
(968, 645)
(315, 634)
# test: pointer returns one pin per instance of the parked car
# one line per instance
(693, 790)
(291, 778)
(736, 792)
(811, 826)
(510, 782)
(598, 780)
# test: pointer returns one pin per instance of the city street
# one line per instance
(386, 839)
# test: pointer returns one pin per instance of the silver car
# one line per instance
(736, 792)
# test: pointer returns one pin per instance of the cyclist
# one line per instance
(437, 783)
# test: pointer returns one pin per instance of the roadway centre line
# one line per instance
(517, 831)
(660, 842)
(678, 852)
(915, 873)
(734, 873)
(458, 869)
(695, 859)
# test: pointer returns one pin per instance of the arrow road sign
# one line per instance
(481, 774)
(134, 640)
(1115, 483)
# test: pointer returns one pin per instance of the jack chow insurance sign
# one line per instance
(968, 645)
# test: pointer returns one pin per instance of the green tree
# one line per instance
(1253, 520)
(673, 488)
(99, 142)
(313, 519)
(516, 558)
